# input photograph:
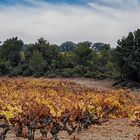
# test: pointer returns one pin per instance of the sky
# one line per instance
(69, 20)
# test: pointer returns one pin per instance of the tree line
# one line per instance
(84, 59)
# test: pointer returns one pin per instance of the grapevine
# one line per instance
(52, 106)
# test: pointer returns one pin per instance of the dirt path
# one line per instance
(91, 83)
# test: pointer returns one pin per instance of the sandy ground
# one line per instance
(92, 83)
(119, 129)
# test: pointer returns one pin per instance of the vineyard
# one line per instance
(28, 105)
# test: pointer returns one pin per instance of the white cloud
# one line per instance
(63, 22)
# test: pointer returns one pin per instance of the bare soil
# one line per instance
(105, 84)
(118, 129)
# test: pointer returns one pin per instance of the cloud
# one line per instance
(116, 3)
(62, 22)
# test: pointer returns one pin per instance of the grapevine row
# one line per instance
(54, 106)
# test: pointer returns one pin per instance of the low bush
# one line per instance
(67, 72)
(26, 73)
(50, 75)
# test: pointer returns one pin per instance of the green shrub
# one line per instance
(78, 70)
(88, 75)
(96, 75)
(51, 75)
(14, 73)
(4, 67)
(101, 76)
(76, 75)
(57, 72)
(67, 72)
(37, 74)
(24, 67)
(1, 74)
(26, 73)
